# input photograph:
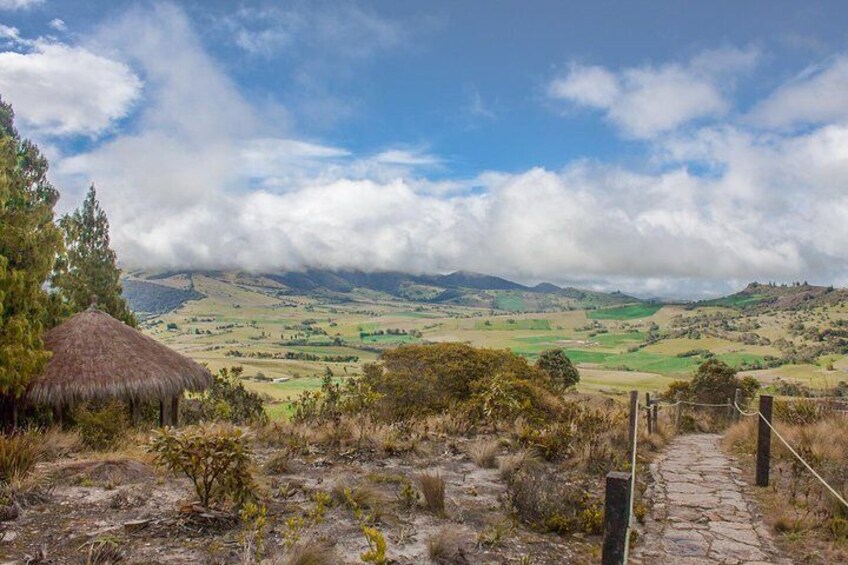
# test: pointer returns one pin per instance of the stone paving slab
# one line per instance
(701, 514)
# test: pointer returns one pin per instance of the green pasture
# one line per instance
(509, 324)
(631, 312)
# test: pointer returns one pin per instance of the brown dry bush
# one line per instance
(433, 489)
(552, 502)
(447, 547)
(484, 453)
(309, 553)
(19, 453)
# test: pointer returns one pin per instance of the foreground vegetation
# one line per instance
(443, 454)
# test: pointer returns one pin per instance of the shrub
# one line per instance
(418, 380)
(306, 554)
(101, 427)
(483, 453)
(559, 369)
(433, 489)
(446, 547)
(546, 502)
(215, 458)
(19, 453)
(227, 400)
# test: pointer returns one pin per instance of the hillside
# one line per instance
(758, 297)
(160, 292)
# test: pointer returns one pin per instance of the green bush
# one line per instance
(227, 400)
(543, 500)
(419, 380)
(216, 458)
(101, 427)
(559, 369)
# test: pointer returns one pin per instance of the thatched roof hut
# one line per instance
(96, 357)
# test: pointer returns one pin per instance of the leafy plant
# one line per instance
(102, 427)
(227, 400)
(215, 458)
(376, 553)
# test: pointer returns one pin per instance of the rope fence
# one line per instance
(621, 487)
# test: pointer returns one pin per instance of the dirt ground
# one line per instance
(109, 510)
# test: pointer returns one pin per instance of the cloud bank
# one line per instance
(204, 179)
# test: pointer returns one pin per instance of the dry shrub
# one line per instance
(433, 489)
(363, 497)
(551, 502)
(278, 464)
(58, 444)
(447, 547)
(484, 453)
(514, 462)
(742, 437)
(109, 472)
(19, 453)
(309, 553)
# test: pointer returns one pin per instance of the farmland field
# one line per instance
(293, 339)
(625, 312)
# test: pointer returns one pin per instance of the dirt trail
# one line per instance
(701, 513)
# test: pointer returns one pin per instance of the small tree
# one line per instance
(215, 458)
(29, 243)
(88, 269)
(716, 381)
(559, 368)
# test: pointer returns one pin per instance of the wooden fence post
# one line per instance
(616, 518)
(730, 410)
(764, 441)
(655, 412)
(648, 413)
(634, 417)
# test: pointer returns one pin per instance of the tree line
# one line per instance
(50, 268)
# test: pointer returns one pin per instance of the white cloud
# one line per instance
(19, 4)
(344, 31)
(649, 100)
(817, 96)
(58, 24)
(205, 179)
(57, 89)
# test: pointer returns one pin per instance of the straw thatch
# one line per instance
(96, 357)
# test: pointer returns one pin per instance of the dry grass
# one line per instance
(797, 506)
(278, 464)
(366, 496)
(514, 462)
(433, 489)
(309, 554)
(484, 453)
(18, 454)
(447, 547)
(58, 444)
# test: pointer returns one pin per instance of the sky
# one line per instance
(662, 148)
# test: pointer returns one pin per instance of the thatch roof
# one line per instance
(97, 357)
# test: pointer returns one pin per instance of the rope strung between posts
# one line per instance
(832, 490)
(632, 482)
(689, 403)
(757, 413)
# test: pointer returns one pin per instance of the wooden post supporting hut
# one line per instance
(98, 358)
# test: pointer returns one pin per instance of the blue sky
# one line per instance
(661, 147)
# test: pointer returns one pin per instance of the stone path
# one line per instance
(700, 513)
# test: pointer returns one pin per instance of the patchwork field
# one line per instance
(286, 341)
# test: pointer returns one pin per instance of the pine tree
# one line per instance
(87, 273)
(29, 243)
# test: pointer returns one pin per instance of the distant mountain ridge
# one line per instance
(760, 297)
(460, 287)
